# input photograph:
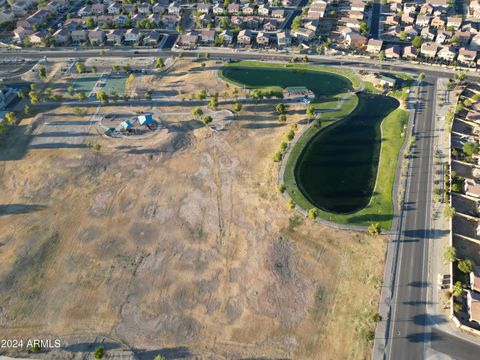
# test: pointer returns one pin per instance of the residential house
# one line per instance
(218, 9)
(144, 8)
(207, 36)
(79, 36)
(429, 50)
(204, 8)
(227, 37)
(151, 38)
(244, 37)
(132, 36)
(447, 53)
(466, 56)
(233, 8)
(443, 36)
(263, 39)
(158, 8)
(388, 81)
(303, 35)
(98, 9)
(393, 52)
(454, 22)
(374, 46)
(96, 36)
(410, 52)
(464, 36)
(115, 37)
(408, 19)
(174, 8)
(264, 10)
(270, 25)
(311, 25)
(248, 9)
(85, 11)
(188, 40)
(36, 39)
(21, 34)
(114, 8)
(278, 13)
(283, 39)
(428, 33)
(475, 42)
(355, 40)
(61, 36)
(410, 31)
(437, 23)
(422, 21)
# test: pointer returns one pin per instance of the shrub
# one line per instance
(282, 118)
(374, 229)
(99, 352)
(281, 188)
(291, 204)
(207, 119)
(457, 288)
(278, 156)
(290, 135)
(313, 213)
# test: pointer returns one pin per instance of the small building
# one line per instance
(244, 37)
(429, 50)
(475, 277)
(447, 53)
(298, 92)
(473, 302)
(393, 52)
(126, 125)
(410, 52)
(283, 39)
(472, 188)
(263, 39)
(145, 120)
(388, 81)
(374, 46)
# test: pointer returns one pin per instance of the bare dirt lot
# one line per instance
(179, 241)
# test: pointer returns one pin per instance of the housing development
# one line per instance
(272, 179)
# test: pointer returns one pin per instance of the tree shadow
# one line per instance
(180, 352)
(419, 284)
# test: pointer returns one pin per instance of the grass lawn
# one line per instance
(356, 82)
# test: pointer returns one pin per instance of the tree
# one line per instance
(282, 118)
(127, 67)
(207, 119)
(381, 55)
(80, 67)
(417, 41)
(470, 148)
(89, 22)
(457, 289)
(449, 211)
(99, 352)
(281, 108)
(313, 213)
(281, 188)
(465, 266)
(450, 254)
(116, 68)
(97, 147)
(455, 40)
(290, 135)
(363, 27)
(81, 96)
(94, 69)
(403, 35)
(213, 103)
(421, 77)
(102, 97)
(26, 109)
(310, 112)
(291, 204)
(42, 72)
(297, 23)
(160, 357)
(237, 107)
(374, 229)
(70, 90)
(197, 112)
(11, 118)
(159, 64)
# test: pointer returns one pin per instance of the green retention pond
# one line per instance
(337, 168)
(347, 167)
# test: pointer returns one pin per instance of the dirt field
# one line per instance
(179, 241)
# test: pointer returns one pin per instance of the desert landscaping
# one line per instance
(177, 240)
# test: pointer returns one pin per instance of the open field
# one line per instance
(179, 241)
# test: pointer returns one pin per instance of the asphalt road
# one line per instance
(375, 23)
(409, 328)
